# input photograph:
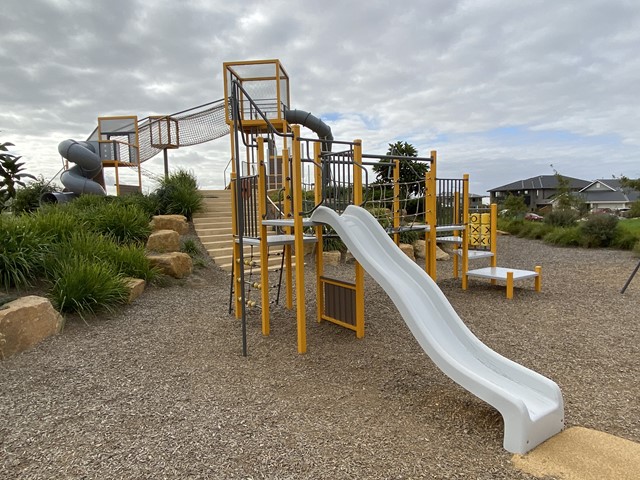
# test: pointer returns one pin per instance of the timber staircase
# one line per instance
(213, 226)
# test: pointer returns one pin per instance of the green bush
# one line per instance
(533, 230)
(190, 247)
(126, 223)
(409, 236)
(22, 252)
(27, 199)
(634, 210)
(84, 287)
(564, 236)
(56, 223)
(178, 194)
(599, 230)
(562, 218)
(147, 203)
(624, 239)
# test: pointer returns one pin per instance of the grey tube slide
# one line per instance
(312, 122)
(88, 165)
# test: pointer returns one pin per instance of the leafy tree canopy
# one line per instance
(11, 175)
(410, 170)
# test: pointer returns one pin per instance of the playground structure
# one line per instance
(270, 155)
(288, 190)
(127, 142)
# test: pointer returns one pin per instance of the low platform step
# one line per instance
(278, 240)
(509, 275)
(475, 254)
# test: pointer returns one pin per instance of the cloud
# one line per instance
(451, 75)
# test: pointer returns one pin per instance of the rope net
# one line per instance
(190, 127)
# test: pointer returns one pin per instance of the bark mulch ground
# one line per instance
(160, 389)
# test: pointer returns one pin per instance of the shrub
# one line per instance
(624, 239)
(178, 194)
(147, 203)
(599, 230)
(125, 223)
(28, 198)
(22, 251)
(56, 223)
(190, 247)
(81, 286)
(561, 218)
(533, 230)
(564, 236)
(634, 210)
(409, 236)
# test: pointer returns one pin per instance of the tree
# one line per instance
(410, 170)
(514, 205)
(566, 198)
(630, 183)
(11, 175)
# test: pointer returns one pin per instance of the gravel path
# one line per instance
(160, 389)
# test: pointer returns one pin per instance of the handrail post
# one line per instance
(264, 246)
(430, 262)
(357, 200)
(317, 150)
(396, 201)
(296, 176)
(465, 229)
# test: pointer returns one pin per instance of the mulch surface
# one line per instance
(160, 389)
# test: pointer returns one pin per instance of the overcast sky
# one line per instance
(501, 89)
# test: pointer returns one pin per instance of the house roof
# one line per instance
(609, 190)
(541, 182)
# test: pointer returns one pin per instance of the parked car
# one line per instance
(533, 217)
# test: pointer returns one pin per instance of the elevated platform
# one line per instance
(509, 275)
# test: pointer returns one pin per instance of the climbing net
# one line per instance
(189, 127)
(409, 207)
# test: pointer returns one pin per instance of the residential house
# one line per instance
(538, 192)
(609, 194)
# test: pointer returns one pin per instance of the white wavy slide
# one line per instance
(530, 404)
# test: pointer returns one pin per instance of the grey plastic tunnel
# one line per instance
(79, 178)
(313, 123)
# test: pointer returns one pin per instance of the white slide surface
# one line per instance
(530, 404)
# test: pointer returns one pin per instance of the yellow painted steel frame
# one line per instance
(465, 229)
(264, 246)
(347, 285)
(115, 163)
(357, 200)
(288, 257)
(298, 245)
(430, 216)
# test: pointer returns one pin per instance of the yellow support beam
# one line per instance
(357, 200)
(296, 176)
(264, 246)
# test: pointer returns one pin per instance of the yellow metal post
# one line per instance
(538, 280)
(494, 234)
(286, 174)
(264, 245)
(465, 229)
(456, 233)
(509, 285)
(296, 176)
(357, 200)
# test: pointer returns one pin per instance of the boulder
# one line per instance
(331, 258)
(164, 241)
(177, 223)
(441, 254)
(408, 250)
(136, 287)
(419, 251)
(25, 322)
(174, 264)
